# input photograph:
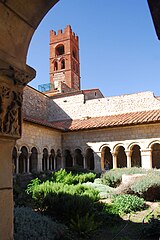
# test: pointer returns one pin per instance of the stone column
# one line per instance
(28, 162)
(114, 156)
(97, 162)
(84, 162)
(62, 161)
(128, 154)
(146, 158)
(12, 82)
(17, 162)
(39, 162)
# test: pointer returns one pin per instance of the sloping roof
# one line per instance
(126, 119)
(132, 118)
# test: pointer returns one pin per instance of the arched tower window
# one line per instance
(63, 64)
(59, 50)
(55, 66)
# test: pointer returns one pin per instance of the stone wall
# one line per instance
(35, 104)
(76, 107)
(38, 136)
(143, 135)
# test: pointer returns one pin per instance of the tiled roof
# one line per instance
(132, 118)
(42, 122)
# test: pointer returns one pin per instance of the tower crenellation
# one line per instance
(64, 60)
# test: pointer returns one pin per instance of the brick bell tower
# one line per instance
(64, 61)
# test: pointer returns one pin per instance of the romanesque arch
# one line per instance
(45, 159)
(33, 160)
(121, 157)
(89, 158)
(51, 160)
(78, 157)
(106, 158)
(18, 22)
(155, 155)
(136, 156)
(58, 159)
(23, 160)
(68, 158)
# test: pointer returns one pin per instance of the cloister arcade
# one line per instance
(27, 160)
(119, 157)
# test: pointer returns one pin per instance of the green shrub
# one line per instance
(40, 190)
(84, 225)
(126, 203)
(104, 191)
(148, 186)
(113, 177)
(31, 225)
(63, 201)
(62, 176)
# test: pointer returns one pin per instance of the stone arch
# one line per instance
(59, 50)
(26, 146)
(152, 143)
(78, 157)
(106, 158)
(18, 22)
(23, 160)
(33, 160)
(68, 158)
(155, 147)
(135, 156)
(89, 158)
(58, 159)
(52, 159)
(45, 159)
(121, 156)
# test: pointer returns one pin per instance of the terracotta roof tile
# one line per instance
(131, 118)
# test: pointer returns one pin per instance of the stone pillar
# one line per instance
(62, 161)
(114, 156)
(17, 162)
(28, 162)
(128, 154)
(146, 158)
(39, 162)
(97, 162)
(84, 162)
(12, 82)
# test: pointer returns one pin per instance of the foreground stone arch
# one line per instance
(18, 21)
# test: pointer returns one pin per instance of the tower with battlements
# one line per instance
(64, 61)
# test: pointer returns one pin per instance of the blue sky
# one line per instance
(119, 49)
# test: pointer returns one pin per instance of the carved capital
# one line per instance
(18, 76)
(12, 82)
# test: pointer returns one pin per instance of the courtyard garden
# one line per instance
(119, 204)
